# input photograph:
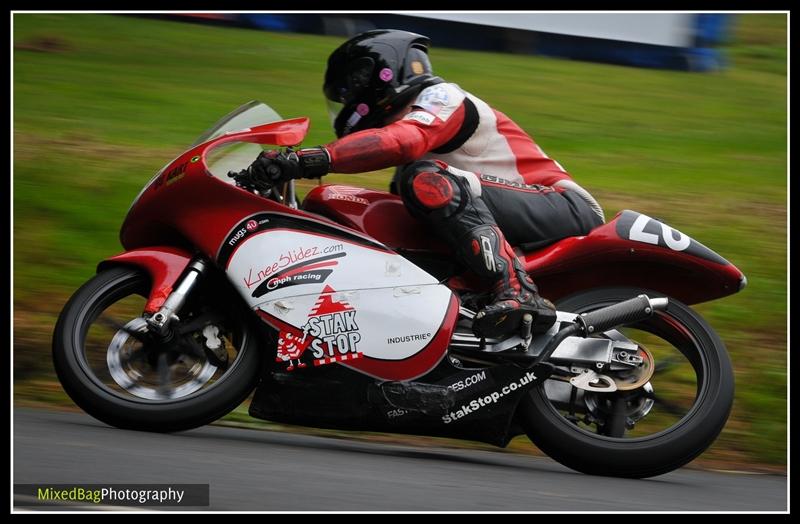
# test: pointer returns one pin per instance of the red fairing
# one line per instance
(163, 264)
(398, 143)
(380, 215)
(604, 259)
(284, 133)
(196, 206)
(188, 206)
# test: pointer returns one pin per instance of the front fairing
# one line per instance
(366, 306)
(242, 119)
(192, 202)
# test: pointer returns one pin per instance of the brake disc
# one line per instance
(638, 376)
(136, 380)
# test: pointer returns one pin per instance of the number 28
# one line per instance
(667, 233)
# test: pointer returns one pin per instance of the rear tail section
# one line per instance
(634, 250)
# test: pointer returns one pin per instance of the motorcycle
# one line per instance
(341, 312)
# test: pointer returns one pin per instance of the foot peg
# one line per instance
(525, 331)
(503, 321)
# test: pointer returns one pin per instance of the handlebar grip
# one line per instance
(273, 171)
(626, 312)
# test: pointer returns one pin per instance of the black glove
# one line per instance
(276, 167)
(271, 168)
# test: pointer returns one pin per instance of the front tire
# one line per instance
(81, 343)
(595, 452)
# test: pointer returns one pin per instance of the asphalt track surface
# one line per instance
(251, 470)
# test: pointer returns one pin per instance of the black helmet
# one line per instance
(374, 74)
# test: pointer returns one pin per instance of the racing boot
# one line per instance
(514, 293)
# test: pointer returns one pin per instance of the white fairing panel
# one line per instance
(275, 264)
(383, 323)
(341, 296)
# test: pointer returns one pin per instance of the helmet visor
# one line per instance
(334, 108)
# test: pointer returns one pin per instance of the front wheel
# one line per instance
(112, 367)
(650, 425)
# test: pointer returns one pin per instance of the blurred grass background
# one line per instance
(102, 102)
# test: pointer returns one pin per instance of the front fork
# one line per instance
(160, 321)
(173, 274)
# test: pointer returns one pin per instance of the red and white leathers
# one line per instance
(490, 143)
(473, 174)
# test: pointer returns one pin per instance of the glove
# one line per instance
(273, 167)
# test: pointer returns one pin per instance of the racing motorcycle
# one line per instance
(341, 312)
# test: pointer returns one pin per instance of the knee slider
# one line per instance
(432, 190)
(429, 185)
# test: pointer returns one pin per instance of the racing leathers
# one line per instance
(483, 185)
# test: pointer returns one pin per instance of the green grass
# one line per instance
(101, 102)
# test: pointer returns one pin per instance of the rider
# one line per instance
(466, 169)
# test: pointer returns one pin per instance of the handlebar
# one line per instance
(267, 187)
(251, 179)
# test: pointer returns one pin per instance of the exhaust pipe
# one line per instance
(627, 312)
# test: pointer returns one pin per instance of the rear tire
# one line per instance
(128, 411)
(651, 455)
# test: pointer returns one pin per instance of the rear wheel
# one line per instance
(118, 372)
(644, 428)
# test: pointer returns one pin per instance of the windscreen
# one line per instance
(251, 114)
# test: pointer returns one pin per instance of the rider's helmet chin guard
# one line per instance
(374, 75)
